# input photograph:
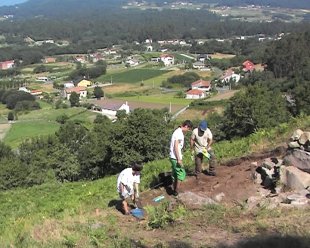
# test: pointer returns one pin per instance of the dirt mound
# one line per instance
(233, 181)
(232, 185)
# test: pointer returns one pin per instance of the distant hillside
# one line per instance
(57, 8)
(11, 2)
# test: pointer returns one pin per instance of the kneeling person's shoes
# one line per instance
(175, 193)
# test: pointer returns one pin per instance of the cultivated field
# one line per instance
(43, 122)
(265, 14)
(132, 76)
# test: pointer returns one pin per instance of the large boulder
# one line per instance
(298, 158)
(294, 178)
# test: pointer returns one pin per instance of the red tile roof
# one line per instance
(195, 92)
(75, 89)
(201, 83)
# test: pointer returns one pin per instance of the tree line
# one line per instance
(76, 152)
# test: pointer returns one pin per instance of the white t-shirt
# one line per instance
(126, 178)
(177, 136)
(201, 141)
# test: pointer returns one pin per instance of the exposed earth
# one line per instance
(232, 186)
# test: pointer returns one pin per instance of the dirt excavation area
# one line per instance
(227, 210)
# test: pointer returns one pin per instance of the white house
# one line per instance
(132, 62)
(68, 85)
(201, 85)
(24, 89)
(195, 94)
(81, 91)
(110, 108)
(199, 65)
(167, 59)
(230, 75)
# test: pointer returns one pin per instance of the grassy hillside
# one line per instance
(67, 215)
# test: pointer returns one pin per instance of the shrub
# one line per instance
(10, 116)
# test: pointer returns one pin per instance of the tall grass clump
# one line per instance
(162, 215)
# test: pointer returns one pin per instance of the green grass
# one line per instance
(25, 130)
(43, 122)
(132, 75)
(158, 98)
(182, 57)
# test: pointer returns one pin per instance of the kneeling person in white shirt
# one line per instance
(128, 185)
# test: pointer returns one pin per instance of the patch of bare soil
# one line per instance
(233, 182)
(222, 96)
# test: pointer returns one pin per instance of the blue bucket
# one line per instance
(138, 213)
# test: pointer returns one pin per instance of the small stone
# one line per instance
(296, 135)
(219, 197)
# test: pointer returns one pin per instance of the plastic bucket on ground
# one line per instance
(138, 213)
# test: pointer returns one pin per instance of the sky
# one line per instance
(10, 2)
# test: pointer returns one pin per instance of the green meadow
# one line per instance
(42, 122)
(132, 75)
(25, 130)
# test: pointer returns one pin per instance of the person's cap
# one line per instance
(137, 167)
(203, 125)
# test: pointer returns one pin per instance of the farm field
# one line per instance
(222, 56)
(254, 14)
(21, 131)
(158, 98)
(49, 114)
(43, 122)
(132, 76)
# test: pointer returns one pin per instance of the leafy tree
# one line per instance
(48, 160)
(142, 137)
(251, 109)
(74, 99)
(185, 79)
(12, 173)
(10, 116)
(121, 115)
(62, 118)
(72, 134)
(301, 97)
(98, 92)
(26, 105)
(12, 97)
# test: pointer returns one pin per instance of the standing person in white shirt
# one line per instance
(176, 145)
(128, 185)
(201, 140)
